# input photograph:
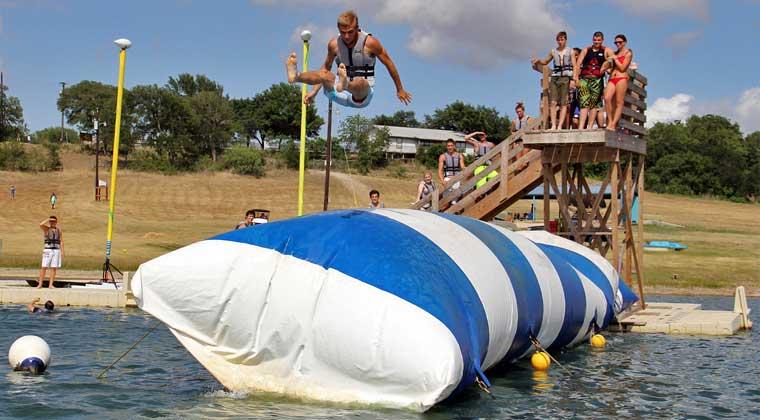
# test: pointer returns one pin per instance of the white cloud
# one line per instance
(480, 33)
(677, 107)
(748, 110)
(745, 109)
(679, 42)
(656, 9)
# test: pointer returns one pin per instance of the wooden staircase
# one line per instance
(519, 171)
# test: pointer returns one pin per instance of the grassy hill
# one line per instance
(158, 213)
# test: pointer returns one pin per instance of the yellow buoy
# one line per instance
(598, 341)
(540, 360)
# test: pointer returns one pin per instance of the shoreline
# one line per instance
(15, 274)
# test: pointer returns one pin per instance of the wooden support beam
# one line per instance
(640, 227)
(628, 194)
(615, 209)
(635, 75)
(632, 87)
(632, 127)
(638, 103)
(637, 116)
(547, 172)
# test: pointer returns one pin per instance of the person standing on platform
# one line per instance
(53, 252)
(589, 77)
(561, 80)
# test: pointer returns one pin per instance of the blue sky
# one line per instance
(696, 53)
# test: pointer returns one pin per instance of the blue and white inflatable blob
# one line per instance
(401, 308)
(29, 354)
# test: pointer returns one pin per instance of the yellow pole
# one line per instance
(115, 158)
(302, 146)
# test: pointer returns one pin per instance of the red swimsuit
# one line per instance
(615, 80)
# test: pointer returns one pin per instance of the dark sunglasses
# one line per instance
(619, 42)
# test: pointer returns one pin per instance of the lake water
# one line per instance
(637, 375)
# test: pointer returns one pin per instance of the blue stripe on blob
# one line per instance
(575, 298)
(389, 256)
(592, 271)
(530, 304)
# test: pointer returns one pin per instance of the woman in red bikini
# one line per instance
(614, 95)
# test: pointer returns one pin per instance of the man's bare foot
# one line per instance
(51, 286)
(292, 67)
(39, 285)
(342, 78)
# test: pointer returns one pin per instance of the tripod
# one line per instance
(108, 272)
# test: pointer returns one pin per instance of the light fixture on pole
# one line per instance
(123, 45)
(305, 36)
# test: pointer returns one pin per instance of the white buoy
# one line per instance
(29, 353)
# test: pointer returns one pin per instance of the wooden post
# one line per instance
(434, 199)
(615, 208)
(328, 157)
(640, 228)
(504, 171)
(547, 172)
(628, 191)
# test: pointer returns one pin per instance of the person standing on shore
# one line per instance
(53, 200)
(53, 252)
(13, 192)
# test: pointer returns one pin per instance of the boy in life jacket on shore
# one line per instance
(355, 52)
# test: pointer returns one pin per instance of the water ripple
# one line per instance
(637, 375)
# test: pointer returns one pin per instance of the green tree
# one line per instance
(87, 101)
(369, 143)
(704, 155)
(188, 85)
(428, 156)
(53, 135)
(466, 118)
(11, 116)
(276, 113)
(165, 121)
(399, 119)
(215, 121)
(750, 187)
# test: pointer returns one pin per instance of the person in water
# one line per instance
(614, 94)
(53, 252)
(33, 309)
(355, 52)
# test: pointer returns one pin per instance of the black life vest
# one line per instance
(592, 62)
(53, 238)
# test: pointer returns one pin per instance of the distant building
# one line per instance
(405, 141)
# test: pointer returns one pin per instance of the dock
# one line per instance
(80, 293)
(687, 318)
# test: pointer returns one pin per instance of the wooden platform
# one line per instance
(687, 319)
(592, 140)
(106, 295)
